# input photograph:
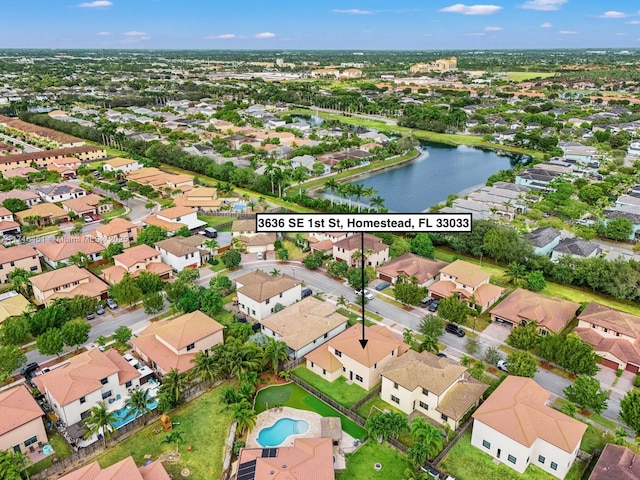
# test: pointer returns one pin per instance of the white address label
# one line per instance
(363, 222)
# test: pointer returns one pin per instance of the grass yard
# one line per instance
(295, 253)
(61, 449)
(291, 395)
(203, 423)
(524, 76)
(215, 220)
(376, 404)
(354, 318)
(116, 212)
(466, 462)
(339, 390)
(360, 463)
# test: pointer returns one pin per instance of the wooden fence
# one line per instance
(367, 397)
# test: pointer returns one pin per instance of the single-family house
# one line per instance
(304, 325)
(124, 469)
(376, 252)
(123, 165)
(59, 192)
(21, 426)
(67, 282)
(613, 334)
(42, 214)
(323, 241)
(86, 380)
(66, 167)
(515, 426)
(91, 204)
(543, 239)
(469, 282)
(173, 344)
(20, 256)
(117, 230)
(135, 260)
(201, 198)
(57, 252)
(575, 247)
(27, 196)
(12, 304)
(183, 252)
(435, 387)
(253, 242)
(550, 314)
(259, 292)
(616, 462)
(174, 218)
(344, 356)
(308, 458)
(409, 266)
(630, 213)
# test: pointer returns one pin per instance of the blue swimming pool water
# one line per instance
(239, 206)
(123, 416)
(278, 432)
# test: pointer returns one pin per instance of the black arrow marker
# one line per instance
(363, 341)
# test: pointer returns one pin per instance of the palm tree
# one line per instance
(13, 464)
(100, 421)
(426, 434)
(174, 383)
(19, 279)
(418, 453)
(515, 273)
(206, 367)
(79, 259)
(275, 272)
(342, 301)
(139, 404)
(332, 185)
(377, 426)
(174, 436)
(242, 413)
(275, 352)
(212, 245)
(377, 202)
(357, 191)
(477, 369)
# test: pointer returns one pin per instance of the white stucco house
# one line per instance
(259, 292)
(183, 252)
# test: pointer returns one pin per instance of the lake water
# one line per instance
(440, 170)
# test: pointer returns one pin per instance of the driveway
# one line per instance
(497, 331)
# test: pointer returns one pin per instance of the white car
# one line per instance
(503, 365)
(88, 219)
(367, 294)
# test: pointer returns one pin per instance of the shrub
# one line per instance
(636, 381)
(619, 372)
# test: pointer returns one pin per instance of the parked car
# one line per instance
(503, 365)
(100, 309)
(209, 232)
(441, 355)
(434, 305)
(382, 285)
(427, 301)
(111, 303)
(306, 292)
(260, 256)
(91, 316)
(367, 294)
(29, 368)
(455, 329)
(88, 219)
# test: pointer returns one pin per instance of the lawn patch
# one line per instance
(339, 390)
(61, 449)
(360, 463)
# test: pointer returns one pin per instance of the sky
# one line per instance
(323, 24)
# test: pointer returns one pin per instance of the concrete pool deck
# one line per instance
(271, 416)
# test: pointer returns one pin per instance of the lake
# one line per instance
(439, 171)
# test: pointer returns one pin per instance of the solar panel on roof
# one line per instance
(247, 470)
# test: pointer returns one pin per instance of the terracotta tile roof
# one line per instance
(18, 252)
(184, 330)
(259, 239)
(119, 162)
(325, 359)
(19, 194)
(410, 264)
(82, 375)
(354, 243)
(82, 204)
(616, 463)
(65, 247)
(4, 212)
(154, 220)
(162, 355)
(8, 225)
(622, 349)
(612, 319)
(42, 210)
(464, 395)
(123, 470)
(303, 322)
(466, 273)
(308, 459)
(17, 407)
(260, 286)
(50, 154)
(138, 254)
(116, 227)
(382, 342)
(12, 304)
(57, 278)
(248, 225)
(94, 288)
(518, 410)
(181, 246)
(175, 212)
(523, 305)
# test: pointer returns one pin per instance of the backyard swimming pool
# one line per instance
(278, 432)
(239, 206)
(124, 415)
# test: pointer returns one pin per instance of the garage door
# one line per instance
(632, 368)
(610, 363)
(386, 278)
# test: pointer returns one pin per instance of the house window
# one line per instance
(486, 444)
(423, 405)
(30, 441)
(359, 378)
(512, 459)
(326, 335)
(106, 394)
(34, 268)
(393, 352)
(606, 330)
(324, 371)
(375, 365)
(541, 459)
(395, 385)
(425, 392)
(280, 295)
(311, 364)
(267, 301)
(617, 334)
(344, 369)
(338, 353)
(83, 399)
(554, 466)
(444, 417)
(593, 325)
(128, 384)
(13, 264)
(395, 399)
(104, 381)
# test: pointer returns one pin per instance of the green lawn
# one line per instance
(61, 449)
(204, 425)
(116, 212)
(339, 390)
(376, 404)
(466, 462)
(524, 76)
(291, 395)
(360, 463)
(215, 220)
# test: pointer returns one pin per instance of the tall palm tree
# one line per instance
(377, 202)
(357, 191)
(212, 245)
(13, 464)
(242, 413)
(100, 421)
(275, 352)
(515, 273)
(206, 367)
(139, 404)
(331, 185)
(174, 383)
(275, 272)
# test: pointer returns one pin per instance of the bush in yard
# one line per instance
(472, 345)
(522, 364)
(313, 261)
(586, 392)
(491, 356)
(524, 337)
(630, 410)
(636, 381)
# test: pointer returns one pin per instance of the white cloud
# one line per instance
(471, 9)
(634, 22)
(104, 34)
(492, 29)
(135, 33)
(265, 35)
(96, 4)
(613, 14)
(546, 25)
(353, 11)
(544, 5)
(222, 36)
(567, 32)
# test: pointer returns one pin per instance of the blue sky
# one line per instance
(324, 24)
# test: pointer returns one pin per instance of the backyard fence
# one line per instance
(291, 364)
(367, 397)
(459, 433)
